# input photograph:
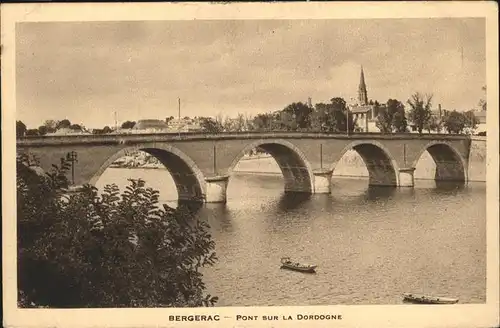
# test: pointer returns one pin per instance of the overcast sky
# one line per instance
(86, 71)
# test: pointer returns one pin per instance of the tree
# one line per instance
(342, 115)
(455, 122)
(32, 132)
(284, 121)
(263, 122)
(392, 118)
(64, 124)
(420, 111)
(229, 124)
(332, 117)
(128, 125)
(42, 130)
(106, 130)
(399, 122)
(114, 250)
(51, 125)
(210, 125)
(471, 121)
(384, 121)
(248, 122)
(20, 129)
(234, 124)
(167, 120)
(240, 123)
(322, 120)
(458, 122)
(300, 113)
(76, 127)
(219, 118)
(434, 124)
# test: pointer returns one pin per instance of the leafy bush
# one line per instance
(459, 122)
(110, 250)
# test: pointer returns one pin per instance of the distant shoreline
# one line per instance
(340, 176)
(160, 166)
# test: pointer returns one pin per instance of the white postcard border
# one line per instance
(476, 315)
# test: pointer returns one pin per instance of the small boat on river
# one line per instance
(425, 299)
(287, 263)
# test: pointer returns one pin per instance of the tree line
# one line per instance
(421, 117)
(323, 117)
(51, 126)
(391, 117)
(331, 117)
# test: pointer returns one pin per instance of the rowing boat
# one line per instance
(287, 263)
(426, 299)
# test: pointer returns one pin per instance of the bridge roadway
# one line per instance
(201, 163)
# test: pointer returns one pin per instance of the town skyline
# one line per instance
(256, 67)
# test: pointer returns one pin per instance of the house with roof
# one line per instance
(150, 126)
(184, 125)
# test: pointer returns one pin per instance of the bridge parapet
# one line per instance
(34, 141)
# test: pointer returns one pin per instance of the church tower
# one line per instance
(362, 94)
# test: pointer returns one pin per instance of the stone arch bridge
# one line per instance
(201, 164)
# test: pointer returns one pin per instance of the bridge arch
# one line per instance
(188, 178)
(450, 165)
(383, 169)
(296, 169)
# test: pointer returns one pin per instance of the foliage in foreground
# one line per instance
(113, 250)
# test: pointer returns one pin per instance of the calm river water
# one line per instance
(370, 244)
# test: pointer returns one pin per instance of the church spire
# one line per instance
(362, 94)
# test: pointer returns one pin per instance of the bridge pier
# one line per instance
(322, 181)
(406, 178)
(216, 189)
(189, 193)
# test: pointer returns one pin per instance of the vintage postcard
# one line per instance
(250, 164)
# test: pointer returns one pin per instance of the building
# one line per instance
(364, 112)
(184, 125)
(150, 126)
(68, 131)
(161, 126)
(481, 117)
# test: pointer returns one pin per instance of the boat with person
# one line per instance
(426, 299)
(287, 263)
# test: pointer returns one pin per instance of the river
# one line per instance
(370, 244)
